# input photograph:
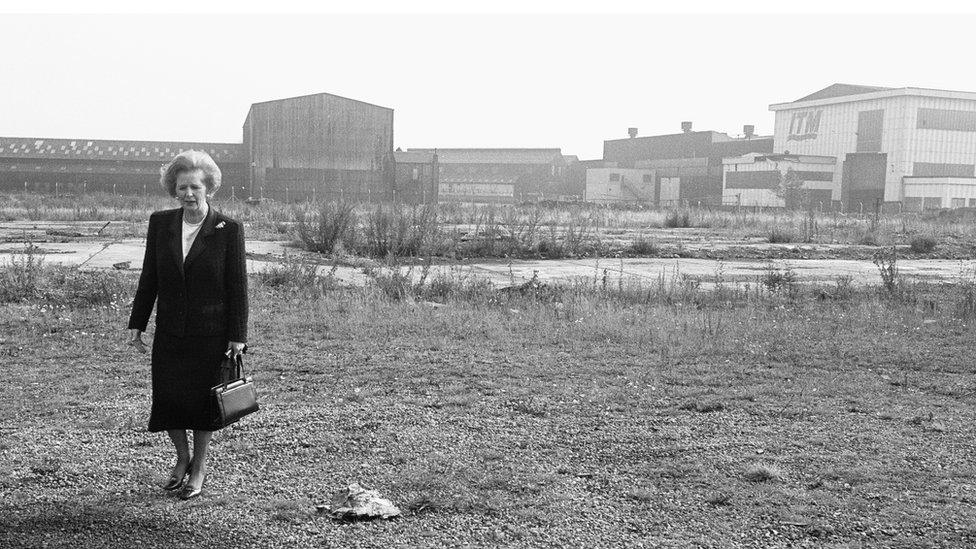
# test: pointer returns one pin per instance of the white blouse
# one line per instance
(190, 232)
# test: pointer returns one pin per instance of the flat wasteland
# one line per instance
(767, 412)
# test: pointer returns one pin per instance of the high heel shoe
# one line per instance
(188, 491)
(177, 483)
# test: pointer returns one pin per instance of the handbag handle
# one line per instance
(238, 366)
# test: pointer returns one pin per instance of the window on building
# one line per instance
(958, 203)
(972, 202)
(912, 204)
(933, 169)
(932, 203)
(416, 173)
(614, 177)
(944, 119)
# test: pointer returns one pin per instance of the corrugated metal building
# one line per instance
(498, 175)
(33, 164)
(687, 165)
(319, 146)
(416, 177)
(910, 147)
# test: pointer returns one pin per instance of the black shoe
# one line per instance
(177, 483)
(189, 492)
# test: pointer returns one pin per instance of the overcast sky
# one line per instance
(567, 80)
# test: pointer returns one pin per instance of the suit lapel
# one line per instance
(200, 242)
(176, 239)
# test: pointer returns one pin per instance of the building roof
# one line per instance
(494, 156)
(840, 90)
(709, 135)
(104, 149)
(751, 158)
(412, 157)
(317, 94)
(844, 93)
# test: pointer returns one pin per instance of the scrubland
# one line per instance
(594, 414)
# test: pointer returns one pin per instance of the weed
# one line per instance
(677, 219)
(869, 238)
(718, 498)
(292, 274)
(923, 244)
(644, 247)
(20, 280)
(331, 227)
(887, 264)
(703, 406)
(780, 235)
(776, 280)
(763, 472)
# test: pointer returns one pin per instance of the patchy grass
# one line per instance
(541, 417)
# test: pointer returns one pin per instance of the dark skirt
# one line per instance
(184, 369)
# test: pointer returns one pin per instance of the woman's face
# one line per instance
(191, 191)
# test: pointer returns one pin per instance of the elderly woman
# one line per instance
(194, 271)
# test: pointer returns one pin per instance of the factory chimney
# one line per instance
(686, 127)
(632, 132)
(749, 131)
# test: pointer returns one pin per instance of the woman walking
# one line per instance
(194, 272)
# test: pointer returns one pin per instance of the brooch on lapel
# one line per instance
(220, 225)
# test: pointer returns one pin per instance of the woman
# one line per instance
(194, 270)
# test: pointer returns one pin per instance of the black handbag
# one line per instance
(236, 396)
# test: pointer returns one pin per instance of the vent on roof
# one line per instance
(686, 127)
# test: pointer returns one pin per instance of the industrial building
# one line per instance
(33, 164)
(301, 148)
(893, 148)
(614, 185)
(687, 166)
(319, 146)
(498, 175)
(765, 180)
(416, 178)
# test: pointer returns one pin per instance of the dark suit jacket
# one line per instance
(206, 295)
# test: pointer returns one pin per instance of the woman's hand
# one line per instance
(235, 348)
(135, 340)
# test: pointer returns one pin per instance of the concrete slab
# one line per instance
(263, 255)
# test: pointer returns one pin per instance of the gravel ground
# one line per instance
(492, 428)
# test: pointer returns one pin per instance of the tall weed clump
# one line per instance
(28, 279)
(331, 227)
(923, 244)
(677, 219)
(399, 231)
(780, 235)
(21, 279)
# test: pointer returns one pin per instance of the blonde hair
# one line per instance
(188, 161)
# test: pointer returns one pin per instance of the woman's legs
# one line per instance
(201, 444)
(178, 436)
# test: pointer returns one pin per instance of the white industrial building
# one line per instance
(904, 148)
(611, 185)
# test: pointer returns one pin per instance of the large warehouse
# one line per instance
(319, 145)
(89, 165)
(897, 148)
